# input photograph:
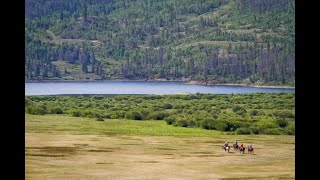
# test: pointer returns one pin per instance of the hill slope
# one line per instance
(215, 41)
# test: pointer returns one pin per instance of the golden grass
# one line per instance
(77, 152)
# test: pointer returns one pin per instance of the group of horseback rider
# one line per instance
(236, 146)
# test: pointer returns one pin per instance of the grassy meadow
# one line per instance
(64, 147)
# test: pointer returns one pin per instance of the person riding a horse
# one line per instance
(235, 145)
(242, 148)
(226, 144)
(250, 149)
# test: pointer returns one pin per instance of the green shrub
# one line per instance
(145, 112)
(243, 130)
(282, 123)
(254, 112)
(105, 115)
(290, 129)
(100, 119)
(27, 101)
(239, 110)
(254, 130)
(170, 120)
(283, 114)
(181, 122)
(106, 105)
(215, 112)
(221, 126)
(192, 123)
(168, 106)
(88, 114)
(134, 115)
(274, 131)
(56, 110)
(76, 113)
(207, 124)
(264, 124)
(158, 115)
(35, 110)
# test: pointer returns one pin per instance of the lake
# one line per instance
(138, 87)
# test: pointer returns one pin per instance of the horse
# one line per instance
(241, 149)
(250, 151)
(236, 147)
(226, 148)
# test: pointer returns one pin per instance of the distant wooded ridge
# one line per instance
(217, 41)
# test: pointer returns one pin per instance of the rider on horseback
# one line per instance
(236, 143)
(250, 146)
(226, 144)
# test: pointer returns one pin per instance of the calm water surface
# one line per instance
(137, 87)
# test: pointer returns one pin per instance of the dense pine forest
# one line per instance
(209, 41)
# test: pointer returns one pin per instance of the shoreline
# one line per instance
(191, 82)
(241, 85)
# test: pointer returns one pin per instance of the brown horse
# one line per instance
(226, 148)
(241, 149)
(250, 151)
(236, 147)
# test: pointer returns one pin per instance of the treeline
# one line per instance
(270, 62)
(258, 113)
(170, 39)
(39, 57)
(38, 60)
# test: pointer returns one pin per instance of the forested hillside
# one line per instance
(213, 41)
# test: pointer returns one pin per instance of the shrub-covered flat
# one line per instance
(65, 147)
(258, 113)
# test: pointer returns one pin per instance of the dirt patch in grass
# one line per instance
(99, 150)
(148, 161)
(105, 163)
(161, 148)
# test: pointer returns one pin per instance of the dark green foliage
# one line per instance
(76, 113)
(243, 130)
(239, 110)
(200, 112)
(56, 110)
(181, 121)
(254, 112)
(27, 101)
(221, 41)
(36, 110)
(158, 115)
(99, 119)
(274, 131)
(170, 120)
(282, 123)
(134, 115)
(254, 130)
(168, 106)
(284, 114)
(221, 126)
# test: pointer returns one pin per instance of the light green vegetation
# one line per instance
(80, 125)
(259, 113)
(62, 147)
